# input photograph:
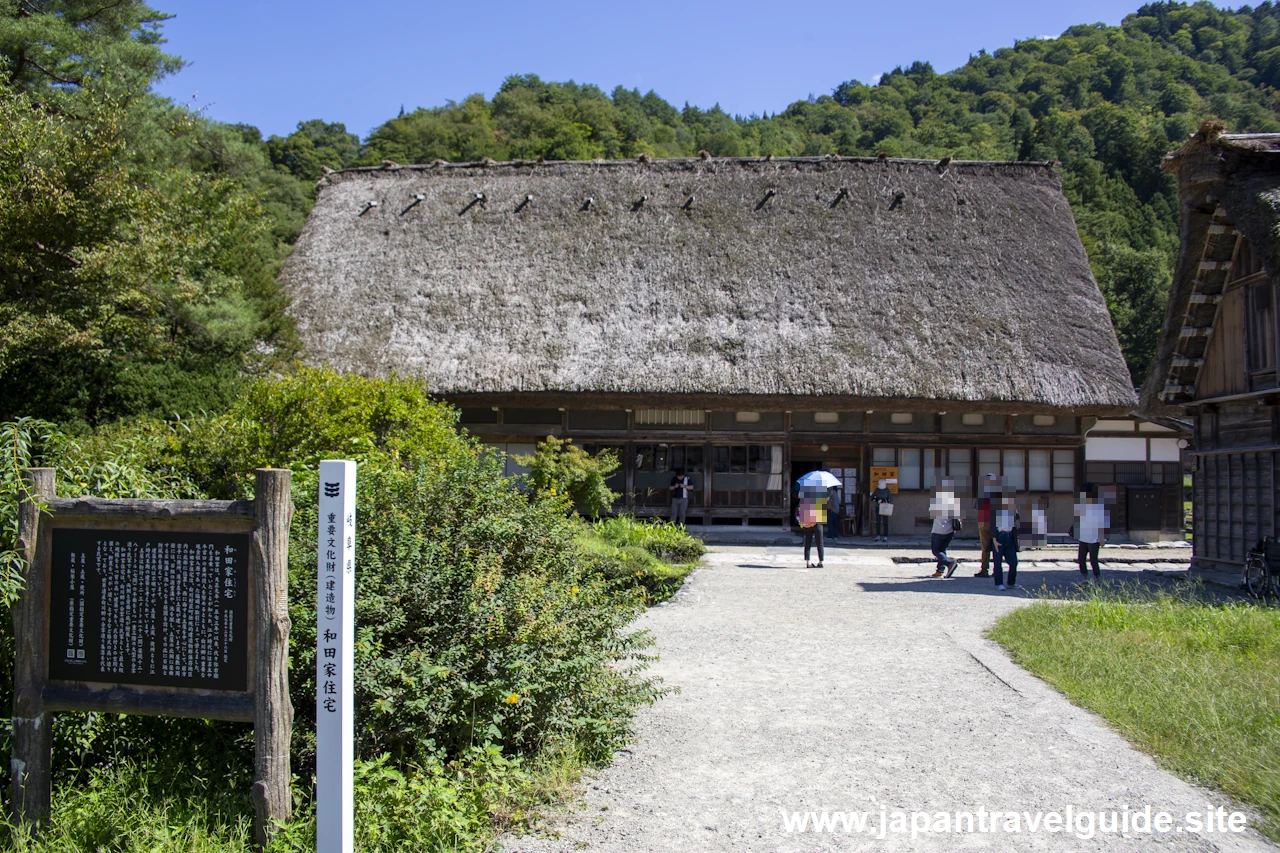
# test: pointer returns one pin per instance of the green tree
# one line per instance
(313, 147)
(559, 467)
(103, 275)
(54, 49)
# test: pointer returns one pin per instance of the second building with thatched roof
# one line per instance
(745, 320)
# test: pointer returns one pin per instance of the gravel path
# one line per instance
(855, 687)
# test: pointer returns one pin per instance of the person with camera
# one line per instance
(679, 489)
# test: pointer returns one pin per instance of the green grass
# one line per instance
(1192, 682)
(462, 807)
(653, 557)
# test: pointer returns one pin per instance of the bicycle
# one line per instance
(1262, 569)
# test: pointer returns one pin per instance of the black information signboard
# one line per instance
(150, 608)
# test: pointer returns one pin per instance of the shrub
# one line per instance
(478, 619)
(481, 624)
(559, 467)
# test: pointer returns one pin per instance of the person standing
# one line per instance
(833, 513)
(679, 496)
(813, 517)
(1093, 521)
(1005, 521)
(945, 510)
(990, 489)
(879, 498)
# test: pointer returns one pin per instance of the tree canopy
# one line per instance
(139, 257)
(138, 240)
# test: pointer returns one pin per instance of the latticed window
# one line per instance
(670, 417)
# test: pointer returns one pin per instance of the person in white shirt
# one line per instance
(1005, 522)
(944, 509)
(1093, 520)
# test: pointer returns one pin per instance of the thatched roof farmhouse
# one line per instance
(1216, 361)
(764, 289)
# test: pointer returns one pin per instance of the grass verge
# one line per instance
(653, 557)
(439, 809)
(1192, 682)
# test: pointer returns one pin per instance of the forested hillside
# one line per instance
(137, 262)
(1108, 102)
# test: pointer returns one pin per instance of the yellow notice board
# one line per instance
(884, 472)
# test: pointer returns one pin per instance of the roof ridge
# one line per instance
(389, 166)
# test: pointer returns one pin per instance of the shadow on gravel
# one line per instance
(1036, 583)
(1062, 584)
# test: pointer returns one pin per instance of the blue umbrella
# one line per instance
(818, 480)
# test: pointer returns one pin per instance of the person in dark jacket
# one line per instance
(833, 513)
(1005, 523)
(679, 489)
(881, 495)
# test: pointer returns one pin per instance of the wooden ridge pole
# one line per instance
(272, 709)
(30, 764)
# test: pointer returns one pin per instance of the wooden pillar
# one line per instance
(786, 472)
(32, 756)
(272, 709)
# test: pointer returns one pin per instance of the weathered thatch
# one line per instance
(1229, 185)
(859, 280)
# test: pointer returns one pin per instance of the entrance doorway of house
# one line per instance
(843, 461)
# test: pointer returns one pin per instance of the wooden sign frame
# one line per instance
(265, 702)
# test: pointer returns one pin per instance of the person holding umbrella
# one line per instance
(812, 488)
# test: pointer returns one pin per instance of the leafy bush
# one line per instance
(559, 467)
(481, 623)
(478, 622)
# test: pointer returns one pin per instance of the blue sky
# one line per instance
(274, 63)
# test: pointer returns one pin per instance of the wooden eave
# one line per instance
(765, 403)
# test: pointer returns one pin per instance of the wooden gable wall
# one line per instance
(1223, 371)
(1226, 369)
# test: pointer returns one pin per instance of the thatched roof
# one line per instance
(851, 278)
(1229, 186)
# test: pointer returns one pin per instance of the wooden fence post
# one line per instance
(29, 765)
(272, 709)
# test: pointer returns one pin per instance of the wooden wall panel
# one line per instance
(1223, 370)
(1244, 426)
(1236, 502)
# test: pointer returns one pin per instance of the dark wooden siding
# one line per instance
(1223, 372)
(1235, 496)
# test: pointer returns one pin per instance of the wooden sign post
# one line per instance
(169, 608)
(335, 658)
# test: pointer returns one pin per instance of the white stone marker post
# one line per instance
(335, 657)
